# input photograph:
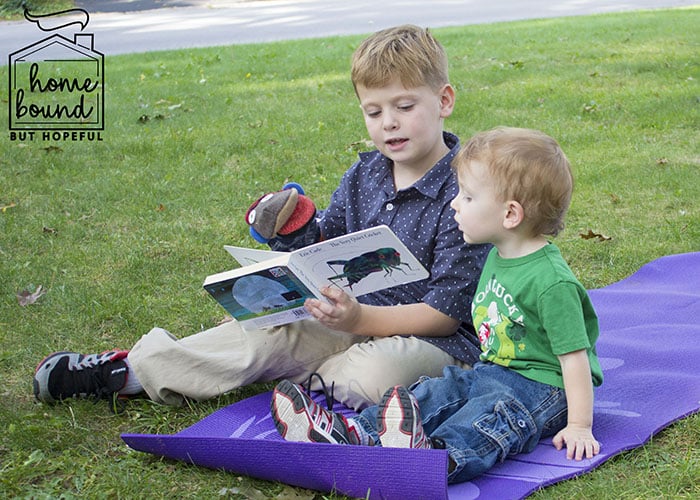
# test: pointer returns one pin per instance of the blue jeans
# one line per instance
(482, 415)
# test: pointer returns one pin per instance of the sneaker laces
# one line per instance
(328, 395)
(93, 376)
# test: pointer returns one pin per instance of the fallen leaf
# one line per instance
(591, 107)
(160, 207)
(87, 216)
(662, 161)
(25, 297)
(5, 207)
(360, 145)
(591, 235)
(50, 230)
(226, 319)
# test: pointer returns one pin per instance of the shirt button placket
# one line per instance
(389, 213)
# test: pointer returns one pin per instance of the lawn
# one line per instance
(120, 233)
(14, 9)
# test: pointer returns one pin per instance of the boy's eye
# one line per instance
(373, 113)
(406, 107)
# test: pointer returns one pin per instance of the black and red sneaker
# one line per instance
(63, 375)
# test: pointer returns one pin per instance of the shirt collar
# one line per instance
(430, 184)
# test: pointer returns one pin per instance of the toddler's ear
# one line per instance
(514, 215)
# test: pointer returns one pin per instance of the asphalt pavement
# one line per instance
(133, 26)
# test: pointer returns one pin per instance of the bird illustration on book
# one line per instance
(358, 268)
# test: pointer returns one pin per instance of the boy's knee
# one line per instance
(366, 370)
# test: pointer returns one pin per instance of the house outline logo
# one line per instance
(57, 84)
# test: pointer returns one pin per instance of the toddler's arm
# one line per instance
(578, 433)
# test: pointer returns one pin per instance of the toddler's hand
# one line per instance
(579, 442)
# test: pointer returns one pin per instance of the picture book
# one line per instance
(270, 288)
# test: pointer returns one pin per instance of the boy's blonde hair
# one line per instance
(406, 52)
(526, 166)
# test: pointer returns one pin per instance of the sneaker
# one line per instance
(398, 420)
(64, 375)
(299, 418)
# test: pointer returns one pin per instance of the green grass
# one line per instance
(14, 9)
(122, 232)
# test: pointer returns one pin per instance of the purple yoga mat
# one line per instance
(649, 347)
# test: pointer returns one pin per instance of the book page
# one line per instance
(247, 256)
(358, 263)
(265, 297)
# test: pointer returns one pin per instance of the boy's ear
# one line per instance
(514, 215)
(447, 100)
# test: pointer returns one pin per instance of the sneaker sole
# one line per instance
(288, 407)
(395, 419)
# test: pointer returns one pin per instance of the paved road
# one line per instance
(128, 26)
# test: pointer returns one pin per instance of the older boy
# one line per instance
(389, 337)
(536, 325)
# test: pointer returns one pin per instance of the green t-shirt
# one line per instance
(531, 309)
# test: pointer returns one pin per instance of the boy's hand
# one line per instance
(579, 442)
(342, 313)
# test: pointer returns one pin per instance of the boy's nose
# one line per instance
(390, 121)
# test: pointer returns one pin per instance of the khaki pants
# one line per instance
(223, 358)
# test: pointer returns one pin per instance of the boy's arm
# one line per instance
(345, 313)
(578, 434)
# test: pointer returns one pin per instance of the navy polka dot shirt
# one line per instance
(422, 218)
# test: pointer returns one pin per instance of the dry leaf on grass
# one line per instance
(25, 297)
(591, 235)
